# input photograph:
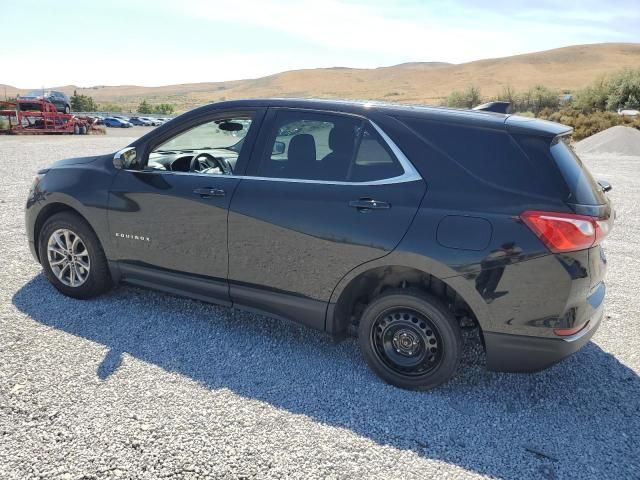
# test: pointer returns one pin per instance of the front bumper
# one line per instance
(521, 353)
(34, 251)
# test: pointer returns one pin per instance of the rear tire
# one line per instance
(67, 109)
(410, 339)
(72, 257)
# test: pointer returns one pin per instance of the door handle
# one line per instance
(209, 192)
(366, 204)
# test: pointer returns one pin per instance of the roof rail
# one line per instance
(497, 107)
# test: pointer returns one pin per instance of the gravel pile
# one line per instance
(139, 384)
(619, 140)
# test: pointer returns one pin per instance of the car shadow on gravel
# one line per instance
(580, 417)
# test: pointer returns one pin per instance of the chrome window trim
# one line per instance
(410, 173)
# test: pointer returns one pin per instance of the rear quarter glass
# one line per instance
(584, 189)
(493, 156)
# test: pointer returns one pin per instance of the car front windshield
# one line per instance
(208, 136)
(37, 93)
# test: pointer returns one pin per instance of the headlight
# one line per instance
(36, 181)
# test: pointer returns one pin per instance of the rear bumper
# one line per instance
(521, 353)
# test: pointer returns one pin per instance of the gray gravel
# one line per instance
(138, 384)
(617, 140)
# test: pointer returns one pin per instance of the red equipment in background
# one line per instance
(40, 116)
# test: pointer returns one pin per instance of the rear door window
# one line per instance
(374, 160)
(315, 146)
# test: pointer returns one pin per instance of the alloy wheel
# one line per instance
(68, 257)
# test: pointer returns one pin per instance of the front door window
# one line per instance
(211, 148)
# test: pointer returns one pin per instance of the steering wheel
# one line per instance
(204, 161)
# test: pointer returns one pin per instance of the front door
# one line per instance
(168, 219)
(325, 193)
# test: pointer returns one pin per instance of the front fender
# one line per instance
(81, 187)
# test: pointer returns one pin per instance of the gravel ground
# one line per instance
(138, 384)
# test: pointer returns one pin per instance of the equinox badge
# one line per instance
(130, 236)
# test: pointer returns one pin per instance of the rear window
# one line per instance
(584, 189)
(489, 155)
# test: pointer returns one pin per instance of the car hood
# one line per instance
(74, 161)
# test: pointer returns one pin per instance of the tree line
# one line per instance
(588, 110)
(85, 103)
(620, 91)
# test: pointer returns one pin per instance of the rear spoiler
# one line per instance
(534, 126)
(497, 107)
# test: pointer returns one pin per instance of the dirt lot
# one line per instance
(138, 384)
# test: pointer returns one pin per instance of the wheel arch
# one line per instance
(362, 285)
(47, 212)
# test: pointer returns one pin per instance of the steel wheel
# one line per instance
(406, 342)
(68, 257)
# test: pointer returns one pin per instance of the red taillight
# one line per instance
(566, 232)
(565, 332)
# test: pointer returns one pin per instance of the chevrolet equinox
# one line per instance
(400, 224)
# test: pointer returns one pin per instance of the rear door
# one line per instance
(325, 193)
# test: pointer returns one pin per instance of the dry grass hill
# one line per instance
(566, 68)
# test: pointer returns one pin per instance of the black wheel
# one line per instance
(67, 109)
(83, 130)
(72, 257)
(410, 339)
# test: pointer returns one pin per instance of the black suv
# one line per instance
(401, 224)
(59, 99)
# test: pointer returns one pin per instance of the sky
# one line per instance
(162, 42)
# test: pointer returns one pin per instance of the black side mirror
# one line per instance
(278, 148)
(125, 158)
(606, 186)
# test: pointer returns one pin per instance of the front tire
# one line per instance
(410, 339)
(72, 257)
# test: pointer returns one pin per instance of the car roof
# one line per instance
(428, 112)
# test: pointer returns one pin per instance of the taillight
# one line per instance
(565, 332)
(566, 232)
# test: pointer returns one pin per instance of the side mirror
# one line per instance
(125, 158)
(278, 148)
(606, 186)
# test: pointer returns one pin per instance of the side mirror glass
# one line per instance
(125, 158)
(278, 148)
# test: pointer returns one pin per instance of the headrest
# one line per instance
(341, 139)
(302, 147)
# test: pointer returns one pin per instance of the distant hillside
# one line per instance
(566, 68)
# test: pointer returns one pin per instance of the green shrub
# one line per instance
(164, 108)
(144, 107)
(593, 97)
(109, 107)
(82, 103)
(624, 90)
(537, 99)
(468, 98)
(587, 124)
